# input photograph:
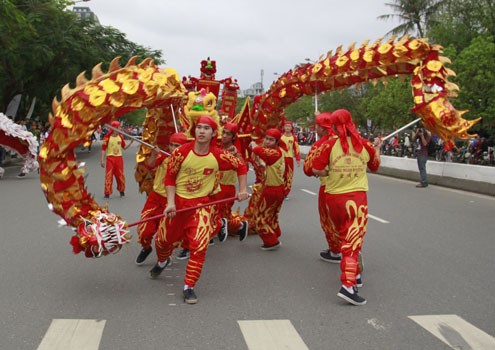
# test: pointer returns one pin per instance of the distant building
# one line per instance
(84, 12)
(255, 90)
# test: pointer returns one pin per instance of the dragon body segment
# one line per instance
(379, 61)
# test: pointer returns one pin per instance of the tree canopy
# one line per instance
(43, 46)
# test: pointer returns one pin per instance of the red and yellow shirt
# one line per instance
(274, 165)
(113, 145)
(292, 147)
(347, 172)
(195, 175)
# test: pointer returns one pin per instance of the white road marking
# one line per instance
(65, 334)
(375, 324)
(383, 221)
(271, 335)
(314, 194)
(455, 331)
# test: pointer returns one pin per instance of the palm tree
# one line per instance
(417, 16)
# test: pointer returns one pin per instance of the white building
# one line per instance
(254, 90)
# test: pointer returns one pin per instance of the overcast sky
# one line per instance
(244, 37)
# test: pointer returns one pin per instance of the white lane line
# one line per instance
(271, 335)
(455, 331)
(314, 194)
(73, 335)
(383, 221)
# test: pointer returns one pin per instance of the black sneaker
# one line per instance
(271, 247)
(143, 254)
(122, 194)
(223, 233)
(157, 270)
(189, 296)
(183, 255)
(243, 231)
(21, 175)
(359, 282)
(106, 196)
(353, 299)
(212, 242)
(327, 256)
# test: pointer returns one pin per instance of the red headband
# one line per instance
(324, 120)
(275, 133)
(206, 119)
(232, 127)
(179, 138)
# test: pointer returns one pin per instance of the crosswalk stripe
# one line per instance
(455, 331)
(271, 335)
(66, 334)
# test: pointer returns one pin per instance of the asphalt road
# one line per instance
(428, 252)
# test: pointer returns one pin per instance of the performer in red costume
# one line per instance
(192, 177)
(157, 199)
(272, 191)
(292, 151)
(228, 186)
(343, 160)
(113, 144)
(325, 131)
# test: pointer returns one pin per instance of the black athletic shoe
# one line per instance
(21, 175)
(271, 247)
(106, 196)
(122, 194)
(327, 256)
(223, 233)
(243, 231)
(212, 242)
(183, 255)
(189, 296)
(353, 299)
(143, 254)
(157, 270)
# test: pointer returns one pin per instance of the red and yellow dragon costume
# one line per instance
(107, 95)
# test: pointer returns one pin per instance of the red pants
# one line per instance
(251, 210)
(349, 214)
(195, 227)
(267, 211)
(114, 167)
(331, 234)
(154, 206)
(288, 175)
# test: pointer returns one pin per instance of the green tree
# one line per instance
(416, 16)
(389, 107)
(460, 21)
(302, 110)
(475, 69)
(45, 46)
